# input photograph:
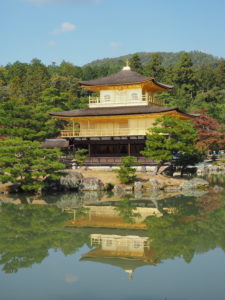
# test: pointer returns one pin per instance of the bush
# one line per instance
(80, 156)
(109, 186)
(126, 172)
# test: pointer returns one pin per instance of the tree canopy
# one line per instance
(169, 138)
(26, 164)
(29, 91)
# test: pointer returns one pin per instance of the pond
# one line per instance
(104, 246)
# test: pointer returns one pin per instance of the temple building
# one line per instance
(116, 121)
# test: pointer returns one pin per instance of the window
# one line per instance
(107, 98)
(137, 244)
(108, 243)
(134, 97)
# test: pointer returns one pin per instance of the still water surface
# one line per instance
(92, 246)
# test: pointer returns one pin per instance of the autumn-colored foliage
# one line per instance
(209, 135)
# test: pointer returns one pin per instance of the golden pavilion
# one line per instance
(116, 121)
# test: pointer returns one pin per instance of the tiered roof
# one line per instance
(124, 77)
(116, 111)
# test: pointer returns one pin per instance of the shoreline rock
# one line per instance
(195, 183)
(91, 184)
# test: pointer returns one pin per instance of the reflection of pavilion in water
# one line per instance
(127, 252)
(110, 215)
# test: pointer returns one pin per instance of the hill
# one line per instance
(169, 58)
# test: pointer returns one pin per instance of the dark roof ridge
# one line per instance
(124, 77)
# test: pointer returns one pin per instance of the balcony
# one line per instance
(123, 101)
(103, 132)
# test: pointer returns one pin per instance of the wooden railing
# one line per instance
(103, 132)
(123, 101)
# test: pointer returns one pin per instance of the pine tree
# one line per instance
(135, 63)
(170, 137)
(26, 164)
(154, 68)
(220, 74)
(184, 76)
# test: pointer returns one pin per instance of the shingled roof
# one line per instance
(123, 77)
(55, 143)
(113, 111)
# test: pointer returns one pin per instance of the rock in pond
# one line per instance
(172, 188)
(121, 189)
(138, 186)
(195, 183)
(154, 184)
(92, 184)
(218, 189)
(71, 180)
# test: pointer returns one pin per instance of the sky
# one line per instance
(80, 31)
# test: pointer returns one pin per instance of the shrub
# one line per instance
(80, 156)
(126, 172)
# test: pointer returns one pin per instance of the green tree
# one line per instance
(29, 122)
(184, 76)
(220, 74)
(154, 67)
(37, 80)
(26, 164)
(205, 75)
(80, 156)
(126, 171)
(17, 73)
(135, 63)
(169, 137)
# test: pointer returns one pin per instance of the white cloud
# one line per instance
(65, 27)
(51, 43)
(43, 2)
(69, 278)
(114, 45)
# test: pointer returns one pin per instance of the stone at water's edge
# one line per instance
(138, 186)
(71, 181)
(118, 189)
(195, 183)
(210, 169)
(193, 193)
(155, 184)
(122, 189)
(172, 188)
(91, 184)
(218, 188)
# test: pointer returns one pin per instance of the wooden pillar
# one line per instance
(73, 128)
(128, 149)
(89, 149)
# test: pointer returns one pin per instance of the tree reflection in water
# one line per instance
(27, 232)
(187, 226)
(126, 209)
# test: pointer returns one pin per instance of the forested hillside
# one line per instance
(28, 91)
(168, 58)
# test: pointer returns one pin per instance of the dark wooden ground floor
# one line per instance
(109, 151)
(110, 147)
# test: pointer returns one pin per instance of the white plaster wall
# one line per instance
(120, 95)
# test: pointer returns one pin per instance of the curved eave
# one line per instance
(119, 112)
(149, 84)
(162, 85)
